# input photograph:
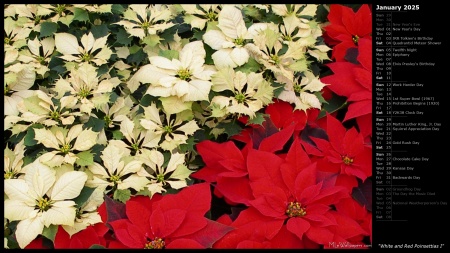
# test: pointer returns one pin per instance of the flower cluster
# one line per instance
(155, 126)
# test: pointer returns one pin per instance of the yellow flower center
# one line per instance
(107, 120)
(9, 174)
(347, 160)
(355, 39)
(239, 41)
(114, 178)
(297, 88)
(86, 57)
(211, 16)
(60, 8)
(240, 98)
(55, 115)
(184, 74)
(145, 25)
(275, 59)
(135, 146)
(7, 41)
(65, 148)
(43, 204)
(157, 243)
(295, 209)
(168, 129)
(160, 178)
(84, 93)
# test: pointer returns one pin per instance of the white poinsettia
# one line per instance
(300, 91)
(199, 15)
(267, 49)
(172, 175)
(294, 17)
(141, 20)
(173, 132)
(230, 39)
(15, 33)
(18, 79)
(13, 161)
(92, 50)
(86, 86)
(41, 109)
(40, 200)
(250, 93)
(87, 213)
(187, 78)
(100, 8)
(135, 136)
(63, 13)
(35, 58)
(119, 171)
(63, 143)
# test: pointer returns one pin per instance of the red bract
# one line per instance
(225, 168)
(91, 235)
(354, 81)
(345, 151)
(173, 221)
(346, 28)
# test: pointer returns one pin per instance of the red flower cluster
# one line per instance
(291, 187)
(351, 35)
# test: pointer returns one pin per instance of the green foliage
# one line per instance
(48, 29)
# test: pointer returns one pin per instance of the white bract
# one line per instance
(119, 171)
(85, 86)
(39, 200)
(229, 41)
(64, 143)
(40, 108)
(174, 174)
(198, 16)
(251, 93)
(186, 78)
(174, 131)
(33, 55)
(87, 213)
(141, 20)
(92, 50)
(13, 161)
(301, 93)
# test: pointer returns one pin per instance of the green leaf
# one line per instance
(231, 128)
(85, 193)
(335, 103)
(137, 57)
(258, 119)
(251, 66)
(169, 54)
(99, 30)
(50, 232)
(29, 137)
(96, 124)
(97, 246)
(80, 14)
(123, 37)
(122, 195)
(117, 9)
(278, 88)
(48, 29)
(85, 158)
(152, 40)
(189, 145)
(117, 135)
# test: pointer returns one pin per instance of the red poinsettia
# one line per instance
(344, 152)
(346, 28)
(86, 238)
(354, 81)
(290, 204)
(170, 221)
(226, 169)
